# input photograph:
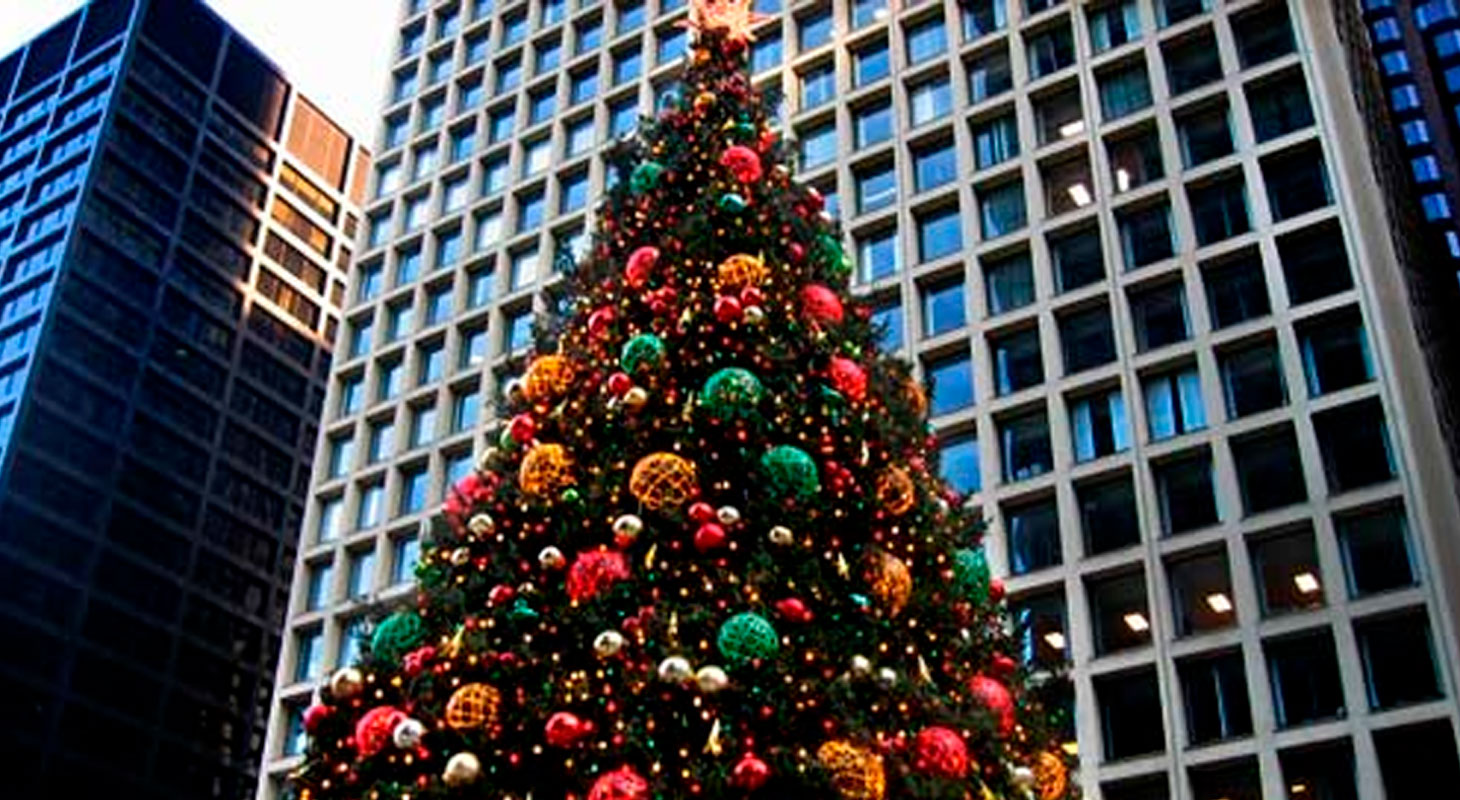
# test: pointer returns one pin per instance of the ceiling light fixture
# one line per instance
(1080, 195)
(1136, 621)
(1219, 603)
(1306, 582)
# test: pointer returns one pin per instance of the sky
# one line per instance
(334, 51)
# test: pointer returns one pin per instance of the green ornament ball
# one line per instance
(745, 131)
(831, 254)
(732, 202)
(971, 574)
(748, 636)
(397, 635)
(732, 393)
(790, 472)
(643, 351)
(645, 177)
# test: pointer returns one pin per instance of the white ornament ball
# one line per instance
(482, 524)
(461, 769)
(711, 679)
(781, 535)
(551, 558)
(861, 666)
(460, 556)
(608, 643)
(1023, 777)
(636, 397)
(408, 733)
(628, 526)
(754, 315)
(886, 676)
(515, 389)
(727, 515)
(346, 683)
(676, 669)
(488, 457)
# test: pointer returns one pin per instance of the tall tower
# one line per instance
(1138, 246)
(174, 225)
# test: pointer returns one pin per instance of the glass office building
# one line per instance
(174, 225)
(1141, 251)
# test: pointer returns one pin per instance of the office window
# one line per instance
(930, 100)
(1201, 593)
(473, 349)
(1118, 610)
(989, 75)
(628, 65)
(943, 307)
(934, 165)
(1285, 570)
(438, 304)
(389, 380)
(448, 247)
(1252, 379)
(1219, 208)
(1355, 446)
(818, 85)
(766, 53)
(361, 574)
(382, 440)
(630, 17)
(407, 265)
(1077, 258)
(940, 234)
(878, 256)
(1174, 403)
(308, 655)
(583, 86)
(958, 463)
(925, 40)
(1108, 515)
(361, 336)
(423, 425)
(470, 95)
(1279, 106)
(1159, 315)
(1262, 35)
(1059, 115)
(1315, 263)
(982, 17)
(872, 124)
(673, 44)
(580, 137)
(415, 213)
(1170, 12)
(1018, 364)
(1303, 671)
(542, 105)
(1040, 627)
(1186, 493)
(350, 394)
(399, 320)
(1114, 24)
(995, 141)
(519, 330)
(509, 75)
(405, 84)
(887, 319)
(1024, 440)
(331, 510)
(320, 584)
(426, 159)
(1191, 62)
(818, 146)
(1131, 724)
(431, 363)
(1269, 470)
(1146, 235)
(1067, 185)
(412, 491)
(952, 383)
(406, 551)
(1009, 281)
(876, 188)
(341, 456)
(372, 498)
(1001, 209)
(530, 210)
(1034, 536)
(815, 30)
(588, 35)
(1335, 353)
(1417, 756)
(489, 229)
(1098, 425)
(1205, 135)
(573, 193)
(1124, 90)
(537, 156)
(458, 467)
(1296, 181)
(1214, 695)
(524, 268)
(1376, 553)
(514, 29)
(1050, 50)
(1086, 339)
(1236, 289)
(866, 12)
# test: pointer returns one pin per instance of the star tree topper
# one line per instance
(734, 17)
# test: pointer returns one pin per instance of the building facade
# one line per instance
(174, 225)
(1139, 247)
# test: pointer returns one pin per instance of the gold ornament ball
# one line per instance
(608, 644)
(472, 707)
(663, 481)
(892, 583)
(704, 100)
(551, 558)
(856, 772)
(487, 459)
(346, 683)
(548, 378)
(636, 398)
(1022, 777)
(861, 666)
(676, 669)
(547, 469)
(895, 491)
(741, 270)
(781, 536)
(460, 556)
(887, 677)
(711, 679)
(482, 524)
(1051, 777)
(461, 769)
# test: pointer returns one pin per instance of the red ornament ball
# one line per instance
(821, 304)
(793, 609)
(620, 784)
(415, 661)
(641, 265)
(750, 773)
(995, 698)
(700, 511)
(1002, 665)
(315, 716)
(727, 308)
(501, 594)
(709, 537)
(599, 322)
(848, 377)
(743, 163)
(374, 731)
(565, 728)
(522, 428)
(941, 752)
(594, 572)
(620, 383)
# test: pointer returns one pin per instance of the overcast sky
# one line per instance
(334, 51)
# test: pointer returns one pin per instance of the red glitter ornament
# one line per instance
(941, 752)
(641, 265)
(594, 572)
(995, 698)
(565, 728)
(620, 784)
(315, 716)
(374, 730)
(599, 322)
(415, 661)
(742, 162)
(750, 773)
(821, 304)
(848, 377)
(467, 492)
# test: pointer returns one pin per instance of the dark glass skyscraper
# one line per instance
(174, 220)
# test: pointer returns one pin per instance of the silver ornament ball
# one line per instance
(408, 733)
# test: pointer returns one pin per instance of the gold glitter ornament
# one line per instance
(548, 378)
(891, 582)
(473, 707)
(663, 481)
(1051, 777)
(741, 270)
(895, 491)
(546, 470)
(856, 772)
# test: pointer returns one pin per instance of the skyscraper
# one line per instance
(174, 225)
(1139, 248)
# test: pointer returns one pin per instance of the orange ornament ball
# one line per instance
(546, 470)
(548, 378)
(473, 707)
(664, 481)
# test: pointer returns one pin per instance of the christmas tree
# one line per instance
(711, 556)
